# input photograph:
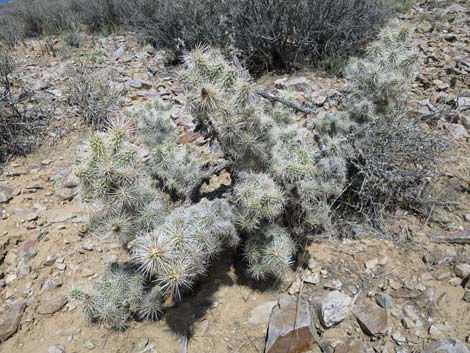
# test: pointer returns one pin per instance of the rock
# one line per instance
(70, 182)
(371, 264)
(384, 300)
(412, 315)
(53, 283)
(309, 277)
(462, 270)
(439, 329)
(46, 162)
(32, 217)
(10, 278)
(463, 102)
(5, 194)
(318, 99)
(333, 308)
(457, 131)
(51, 305)
(10, 258)
(446, 346)
(260, 314)
(456, 8)
(466, 296)
(87, 245)
(89, 345)
(50, 260)
(290, 327)
(295, 287)
(65, 194)
(56, 349)
(63, 217)
(41, 85)
(372, 318)
(140, 84)
(333, 284)
(28, 249)
(9, 324)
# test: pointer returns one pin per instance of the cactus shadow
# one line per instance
(227, 270)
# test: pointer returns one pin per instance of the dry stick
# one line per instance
(293, 105)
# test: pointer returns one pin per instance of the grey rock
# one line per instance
(6, 194)
(65, 194)
(384, 300)
(462, 270)
(463, 102)
(140, 84)
(437, 330)
(456, 8)
(290, 327)
(87, 245)
(457, 131)
(446, 346)
(466, 296)
(372, 318)
(52, 284)
(63, 217)
(32, 217)
(9, 324)
(333, 308)
(51, 305)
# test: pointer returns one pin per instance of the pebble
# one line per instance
(89, 345)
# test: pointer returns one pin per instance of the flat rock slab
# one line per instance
(446, 346)
(51, 305)
(290, 327)
(6, 194)
(372, 318)
(9, 324)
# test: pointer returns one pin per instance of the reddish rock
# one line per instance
(28, 249)
(372, 318)
(290, 327)
(9, 324)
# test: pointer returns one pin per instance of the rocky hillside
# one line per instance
(409, 293)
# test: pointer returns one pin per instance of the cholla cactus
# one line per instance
(155, 123)
(179, 169)
(258, 198)
(115, 298)
(389, 64)
(269, 251)
(286, 178)
(111, 182)
(224, 103)
(179, 250)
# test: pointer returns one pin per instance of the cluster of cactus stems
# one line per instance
(285, 179)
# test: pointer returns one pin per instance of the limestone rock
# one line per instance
(446, 346)
(333, 308)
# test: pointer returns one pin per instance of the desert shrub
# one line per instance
(268, 34)
(22, 124)
(93, 93)
(395, 158)
(396, 161)
(287, 179)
